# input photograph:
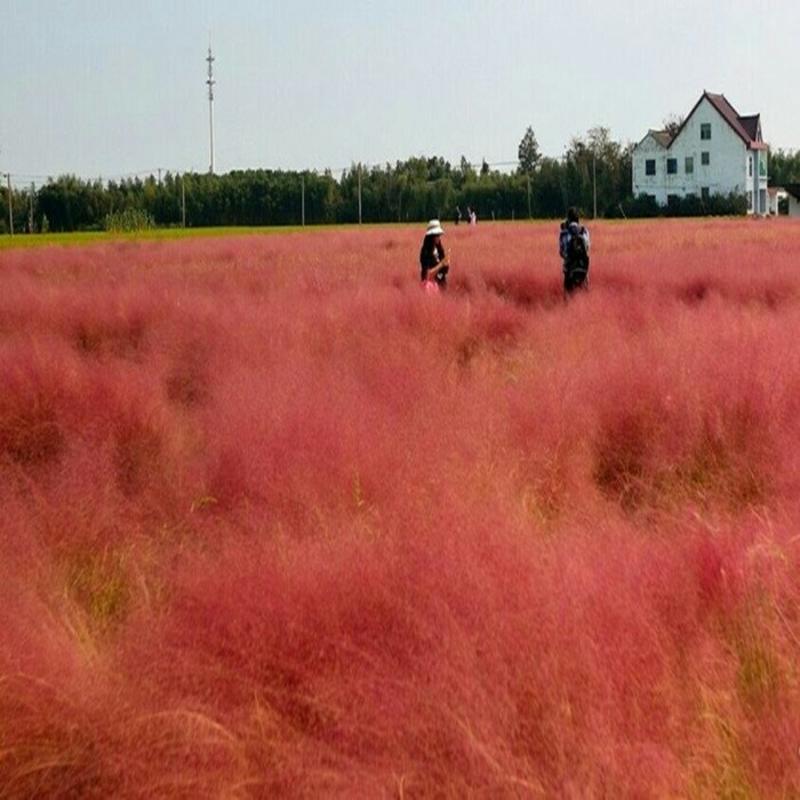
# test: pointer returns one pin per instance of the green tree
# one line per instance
(466, 169)
(672, 124)
(528, 153)
(784, 167)
(596, 160)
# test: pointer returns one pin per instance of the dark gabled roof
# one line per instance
(662, 137)
(793, 189)
(748, 128)
(730, 114)
(752, 126)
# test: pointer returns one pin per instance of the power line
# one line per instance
(154, 172)
(27, 176)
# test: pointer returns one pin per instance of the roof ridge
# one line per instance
(726, 109)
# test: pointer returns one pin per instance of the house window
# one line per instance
(705, 158)
(672, 166)
(750, 166)
(750, 201)
(650, 166)
(673, 200)
(689, 165)
(705, 130)
(705, 193)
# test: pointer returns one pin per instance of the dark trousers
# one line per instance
(575, 281)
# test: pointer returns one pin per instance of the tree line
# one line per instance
(593, 175)
(784, 167)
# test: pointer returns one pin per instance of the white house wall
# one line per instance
(794, 206)
(647, 149)
(726, 173)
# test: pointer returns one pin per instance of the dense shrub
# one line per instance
(129, 220)
(691, 205)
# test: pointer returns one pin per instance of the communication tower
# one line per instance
(210, 82)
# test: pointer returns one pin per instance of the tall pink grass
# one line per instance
(276, 523)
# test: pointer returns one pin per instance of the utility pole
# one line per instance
(30, 208)
(10, 205)
(530, 214)
(183, 202)
(303, 199)
(359, 194)
(210, 82)
(159, 176)
(594, 184)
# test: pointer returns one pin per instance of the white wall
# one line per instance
(727, 171)
(794, 206)
(649, 148)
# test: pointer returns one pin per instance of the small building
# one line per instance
(775, 196)
(793, 191)
(715, 150)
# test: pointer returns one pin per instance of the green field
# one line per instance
(25, 240)
(94, 237)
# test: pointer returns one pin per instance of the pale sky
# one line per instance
(105, 87)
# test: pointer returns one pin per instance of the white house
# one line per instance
(715, 151)
(793, 190)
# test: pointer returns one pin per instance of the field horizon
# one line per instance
(275, 522)
(85, 238)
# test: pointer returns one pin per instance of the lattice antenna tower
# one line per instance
(210, 83)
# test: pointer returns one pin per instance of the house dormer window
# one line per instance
(705, 130)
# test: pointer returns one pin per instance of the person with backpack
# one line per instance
(573, 246)
(433, 262)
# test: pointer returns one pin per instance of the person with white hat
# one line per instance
(433, 261)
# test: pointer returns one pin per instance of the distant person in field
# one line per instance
(458, 215)
(433, 262)
(473, 216)
(573, 245)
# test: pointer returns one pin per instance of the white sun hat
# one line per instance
(434, 228)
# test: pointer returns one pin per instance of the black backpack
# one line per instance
(577, 260)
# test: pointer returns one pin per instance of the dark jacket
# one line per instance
(431, 255)
(568, 230)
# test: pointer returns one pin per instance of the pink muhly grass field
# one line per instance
(277, 523)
